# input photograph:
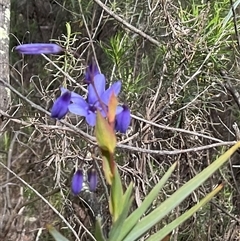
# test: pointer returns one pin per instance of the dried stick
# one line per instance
(49, 204)
(126, 24)
(92, 139)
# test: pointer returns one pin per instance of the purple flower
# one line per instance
(39, 48)
(97, 100)
(91, 72)
(92, 180)
(60, 106)
(123, 120)
(77, 182)
(96, 90)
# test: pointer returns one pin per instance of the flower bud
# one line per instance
(39, 48)
(77, 182)
(91, 71)
(123, 120)
(92, 180)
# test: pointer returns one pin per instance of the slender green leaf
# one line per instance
(170, 227)
(127, 194)
(98, 234)
(117, 226)
(230, 13)
(116, 195)
(136, 215)
(56, 235)
(155, 216)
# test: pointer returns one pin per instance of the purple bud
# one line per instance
(77, 182)
(91, 71)
(39, 48)
(92, 180)
(123, 120)
(60, 106)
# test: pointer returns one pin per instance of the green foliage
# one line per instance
(69, 62)
(124, 229)
(124, 203)
(57, 236)
(174, 224)
(134, 217)
(211, 31)
(98, 230)
(120, 53)
(118, 49)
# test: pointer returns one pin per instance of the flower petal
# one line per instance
(60, 106)
(92, 180)
(91, 119)
(114, 88)
(77, 182)
(119, 110)
(123, 120)
(79, 109)
(75, 98)
(99, 83)
(39, 48)
(78, 99)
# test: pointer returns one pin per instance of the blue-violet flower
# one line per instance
(96, 91)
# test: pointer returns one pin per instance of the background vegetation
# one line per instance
(181, 83)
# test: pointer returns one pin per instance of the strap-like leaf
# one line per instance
(98, 234)
(167, 206)
(167, 229)
(116, 198)
(117, 226)
(137, 214)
